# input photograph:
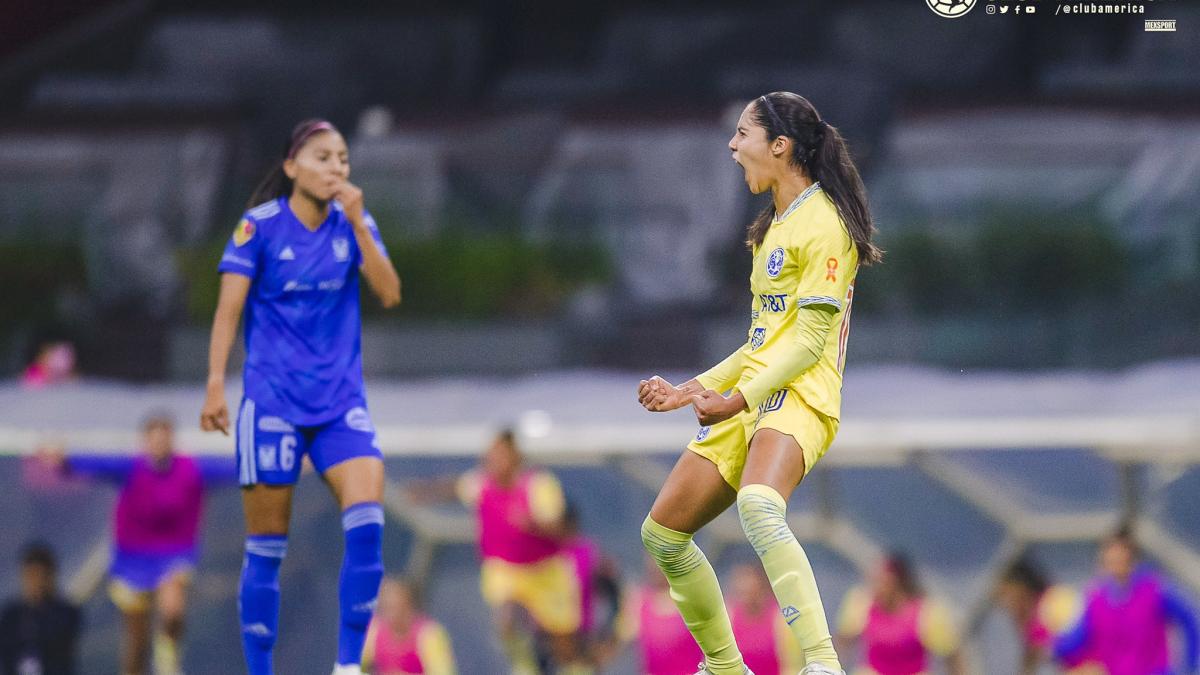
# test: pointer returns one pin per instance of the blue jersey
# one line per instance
(303, 325)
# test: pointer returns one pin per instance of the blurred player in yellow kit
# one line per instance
(784, 384)
(526, 577)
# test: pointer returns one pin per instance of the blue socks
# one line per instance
(258, 599)
(362, 570)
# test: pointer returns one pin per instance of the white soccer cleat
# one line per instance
(703, 670)
(820, 669)
(352, 669)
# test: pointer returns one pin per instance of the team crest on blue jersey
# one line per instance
(341, 249)
(757, 337)
(702, 434)
(358, 419)
(775, 263)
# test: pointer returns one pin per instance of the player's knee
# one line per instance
(654, 544)
(363, 524)
(172, 625)
(674, 552)
(763, 514)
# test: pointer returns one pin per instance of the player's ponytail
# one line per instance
(819, 148)
(276, 183)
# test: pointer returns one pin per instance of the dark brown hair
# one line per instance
(276, 184)
(1025, 572)
(900, 565)
(160, 418)
(817, 147)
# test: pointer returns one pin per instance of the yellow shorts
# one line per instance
(547, 589)
(726, 443)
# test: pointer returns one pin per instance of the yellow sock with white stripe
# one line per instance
(697, 594)
(763, 514)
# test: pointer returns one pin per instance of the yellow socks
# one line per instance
(518, 649)
(165, 655)
(697, 594)
(762, 511)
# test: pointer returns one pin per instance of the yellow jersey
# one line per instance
(806, 258)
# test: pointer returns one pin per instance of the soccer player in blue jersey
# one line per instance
(293, 267)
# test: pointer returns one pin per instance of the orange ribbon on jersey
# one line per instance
(831, 266)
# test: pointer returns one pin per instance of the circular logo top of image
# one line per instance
(951, 9)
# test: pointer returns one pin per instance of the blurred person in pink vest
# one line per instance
(900, 630)
(599, 591)
(1127, 614)
(1041, 612)
(649, 617)
(403, 640)
(762, 634)
(526, 577)
(156, 535)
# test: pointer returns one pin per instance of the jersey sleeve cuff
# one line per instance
(236, 265)
(751, 393)
(819, 300)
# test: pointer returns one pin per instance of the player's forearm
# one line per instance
(812, 329)
(380, 273)
(723, 375)
(1180, 611)
(232, 299)
(224, 331)
(112, 467)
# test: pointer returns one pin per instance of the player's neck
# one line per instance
(310, 212)
(789, 187)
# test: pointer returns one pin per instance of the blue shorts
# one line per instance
(143, 572)
(270, 449)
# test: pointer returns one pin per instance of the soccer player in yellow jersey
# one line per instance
(782, 405)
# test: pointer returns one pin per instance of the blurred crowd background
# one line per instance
(553, 184)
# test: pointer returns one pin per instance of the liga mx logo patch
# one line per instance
(244, 232)
(775, 263)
